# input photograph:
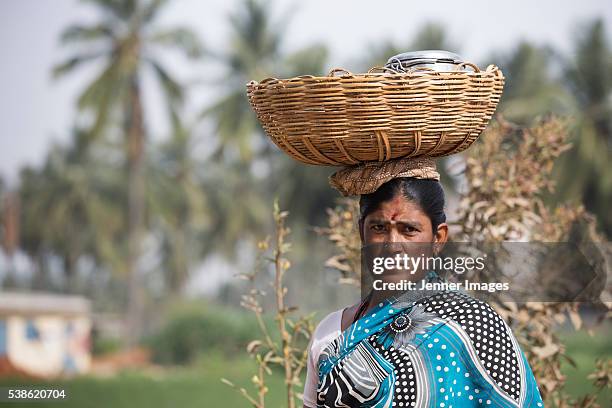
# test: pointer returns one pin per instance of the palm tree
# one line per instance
(178, 205)
(9, 230)
(590, 78)
(531, 87)
(249, 163)
(254, 52)
(70, 209)
(124, 41)
(586, 170)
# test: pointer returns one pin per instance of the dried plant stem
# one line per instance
(287, 352)
(279, 269)
(243, 392)
(264, 330)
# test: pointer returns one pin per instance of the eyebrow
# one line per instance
(411, 223)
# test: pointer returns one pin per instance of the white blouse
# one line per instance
(327, 330)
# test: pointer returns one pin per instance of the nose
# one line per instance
(394, 235)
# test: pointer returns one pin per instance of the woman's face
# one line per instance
(400, 220)
(400, 227)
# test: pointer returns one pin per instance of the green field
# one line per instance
(584, 349)
(199, 385)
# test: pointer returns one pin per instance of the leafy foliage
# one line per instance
(192, 331)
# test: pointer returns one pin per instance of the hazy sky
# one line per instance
(35, 110)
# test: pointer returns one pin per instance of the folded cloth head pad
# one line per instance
(365, 178)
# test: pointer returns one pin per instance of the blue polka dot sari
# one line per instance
(445, 350)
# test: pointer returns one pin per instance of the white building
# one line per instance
(43, 334)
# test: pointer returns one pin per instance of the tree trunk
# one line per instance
(70, 269)
(39, 280)
(181, 254)
(136, 202)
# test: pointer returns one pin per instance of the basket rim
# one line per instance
(491, 71)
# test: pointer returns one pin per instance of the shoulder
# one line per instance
(473, 314)
(328, 330)
(481, 323)
(484, 332)
(329, 326)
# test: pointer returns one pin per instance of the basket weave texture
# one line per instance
(346, 119)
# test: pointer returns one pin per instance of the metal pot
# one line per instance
(438, 60)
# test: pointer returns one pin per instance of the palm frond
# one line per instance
(181, 39)
(171, 87)
(234, 119)
(120, 9)
(432, 36)
(151, 9)
(172, 90)
(307, 61)
(102, 95)
(255, 37)
(74, 62)
(81, 33)
(91, 96)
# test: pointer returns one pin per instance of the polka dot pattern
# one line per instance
(405, 394)
(487, 333)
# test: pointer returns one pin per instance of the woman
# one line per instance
(444, 349)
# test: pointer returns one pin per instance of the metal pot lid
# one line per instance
(433, 56)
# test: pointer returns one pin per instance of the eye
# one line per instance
(377, 227)
(409, 229)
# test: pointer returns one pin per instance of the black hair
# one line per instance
(427, 194)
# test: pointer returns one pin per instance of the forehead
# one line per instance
(398, 208)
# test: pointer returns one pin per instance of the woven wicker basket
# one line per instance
(344, 118)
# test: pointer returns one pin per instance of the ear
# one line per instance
(440, 237)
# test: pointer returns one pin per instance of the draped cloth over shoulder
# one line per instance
(445, 349)
(365, 178)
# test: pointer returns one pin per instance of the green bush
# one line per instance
(104, 345)
(194, 330)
